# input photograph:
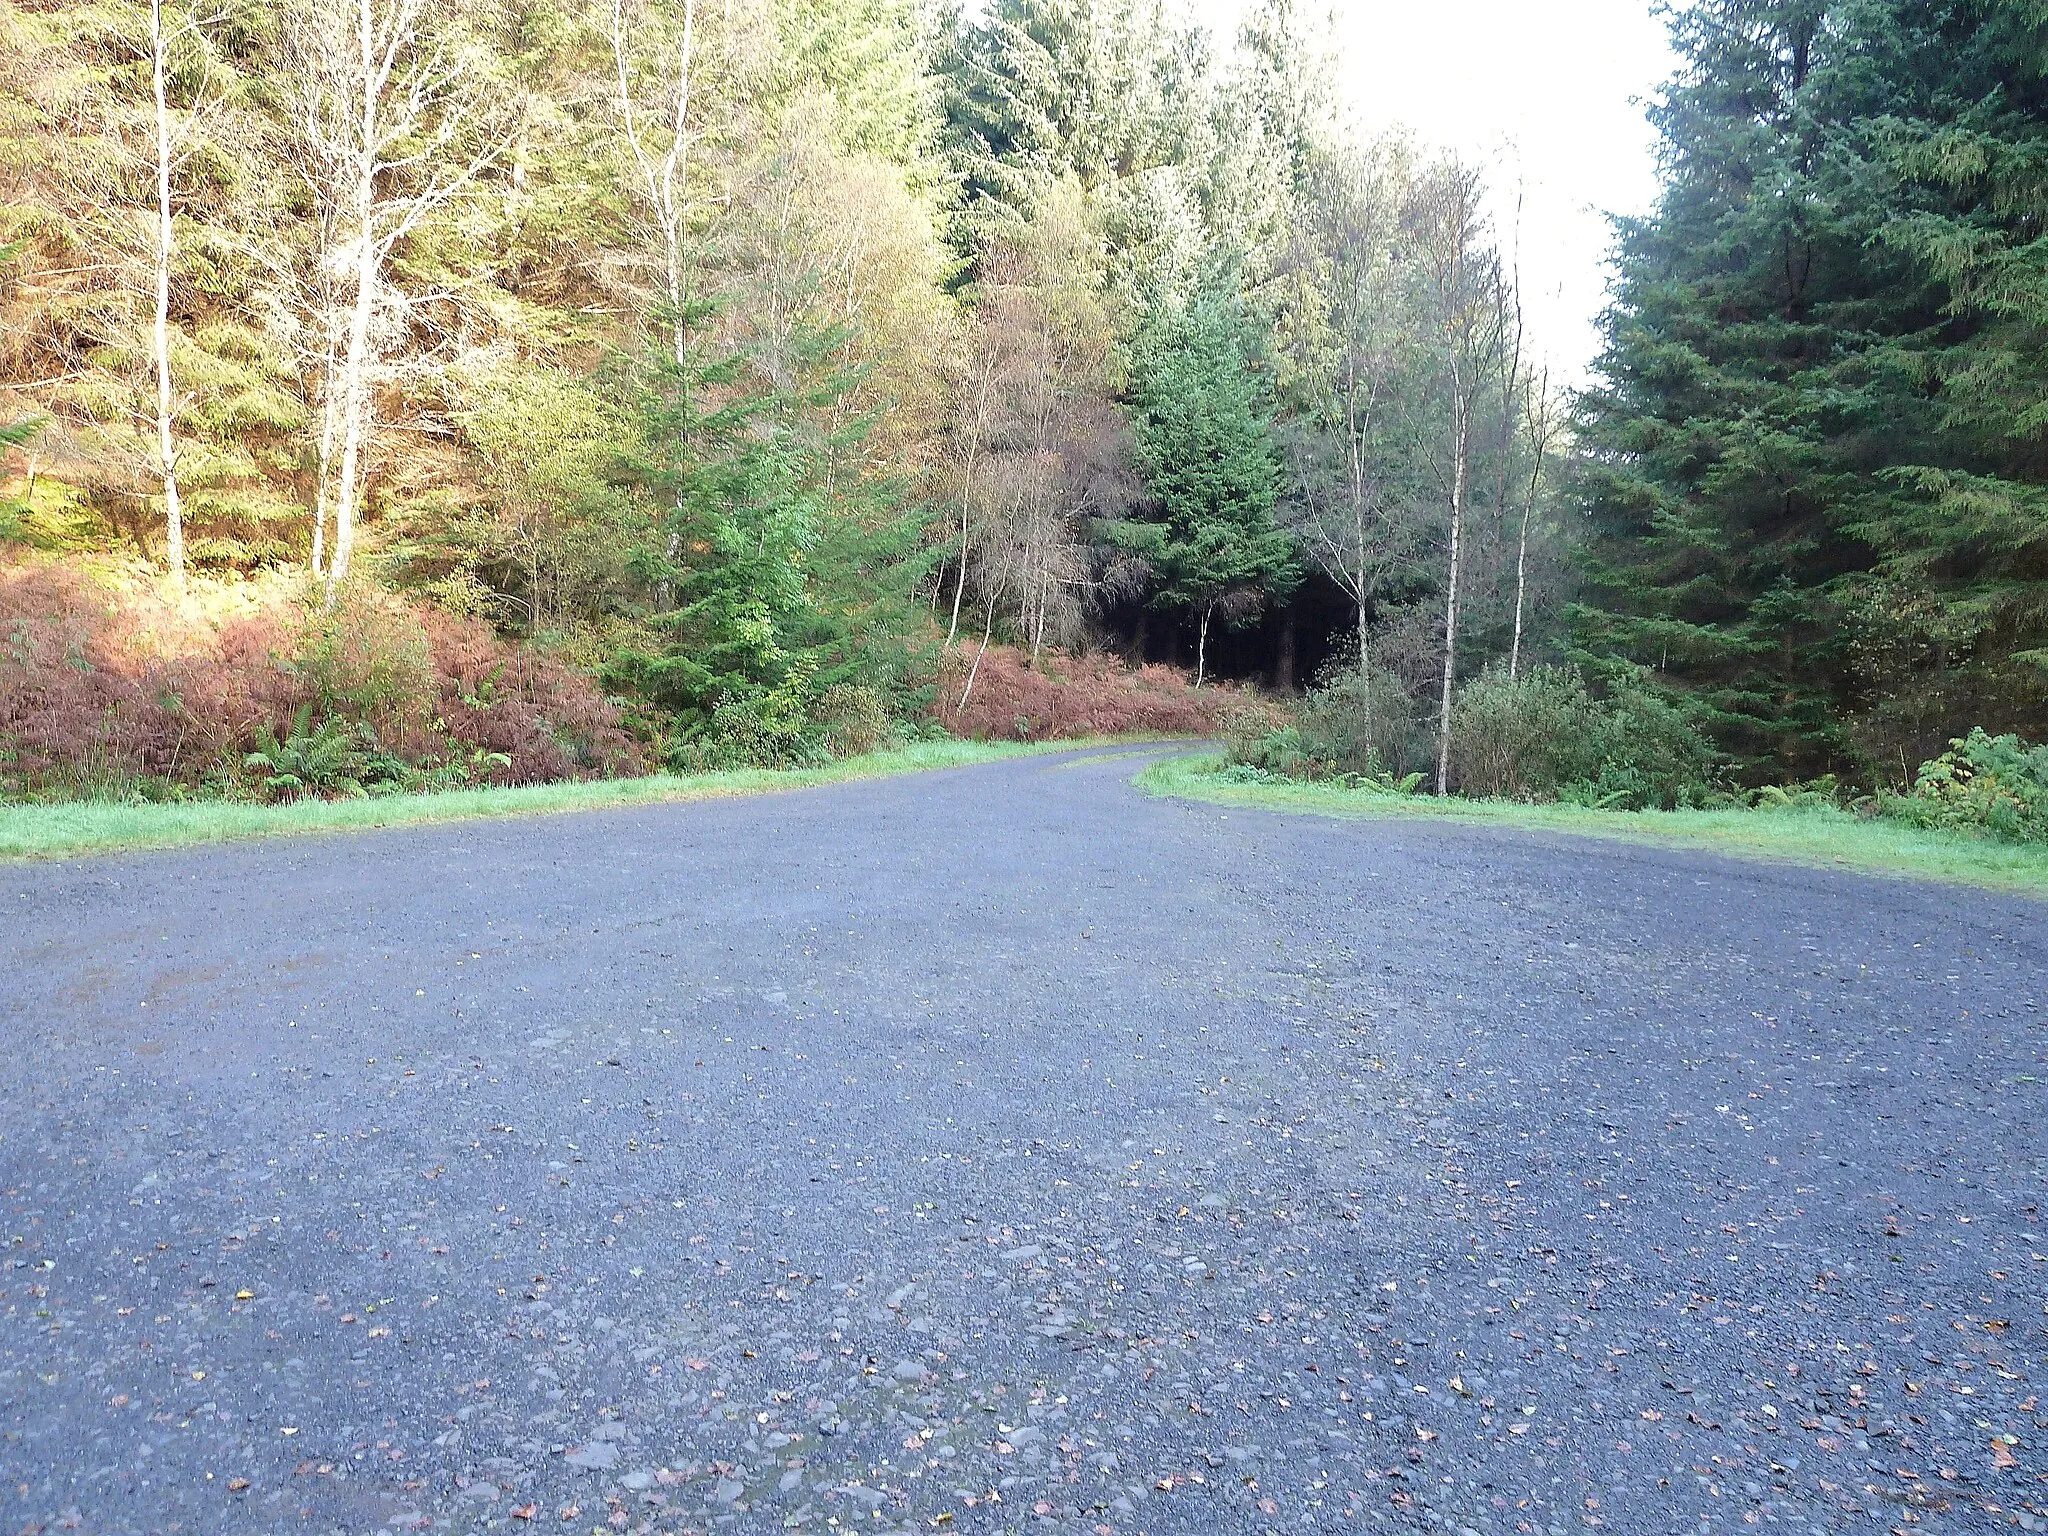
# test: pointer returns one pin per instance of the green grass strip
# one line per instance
(63, 828)
(1819, 836)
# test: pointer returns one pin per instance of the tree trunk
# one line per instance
(1460, 431)
(1364, 586)
(355, 394)
(1283, 666)
(960, 584)
(355, 383)
(675, 194)
(1539, 444)
(1038, 620)
(324, 468)
(160, 334)
(667, 188)
(1521, 590)
(1202, 647)
(974, 671)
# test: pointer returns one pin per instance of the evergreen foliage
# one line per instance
(1204, 434)
(1813, 463)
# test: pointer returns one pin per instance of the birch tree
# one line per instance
(1542, 424)
(137, 187)
(392, 126)
(1447, 235)
(654, 71)
(981, 374)
(1348, 333)
(168, 142)
(1057, 453)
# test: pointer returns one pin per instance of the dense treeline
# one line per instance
(783, 369)
(771, 360)
(1814, 469)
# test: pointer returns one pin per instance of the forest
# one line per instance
(400, 394)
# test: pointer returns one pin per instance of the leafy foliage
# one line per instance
(1355, 725)
(1541, 734)
(335, 757)
(1515, 737)
(1983, 783)
(108, 695)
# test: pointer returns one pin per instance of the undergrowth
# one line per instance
(1798, 828)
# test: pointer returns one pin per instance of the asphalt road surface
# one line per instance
(1004, 1150)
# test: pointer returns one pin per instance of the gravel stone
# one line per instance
(1182, 1168)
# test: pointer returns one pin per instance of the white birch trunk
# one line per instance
(1461, 426)
(1539, 438)
(988, 629)
(324, 466)
(960, 583)
(376, 95)
(1521, 590)
(665, 185)
(355, 370)
(355, 367)
(160, 332)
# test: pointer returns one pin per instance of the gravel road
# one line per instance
(1002, 1150)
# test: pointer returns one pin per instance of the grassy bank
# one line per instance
(86, 826)
(1822, 837)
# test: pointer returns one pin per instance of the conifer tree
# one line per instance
(1758, 394)
(1204, 430)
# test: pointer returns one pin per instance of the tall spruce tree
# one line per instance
(1956, 613)
(1771, 430)
(1039, 90)
(1204, 430)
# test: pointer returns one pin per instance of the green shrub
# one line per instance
(1520, 738)
(760, 728)
(1821, 794)
(335, 757)
(853, 717)
(1648, 754)
(1366, 725)
(1348, 727)
(1983, 783)
(368, 661)
(1275, 752)
(1540, 735)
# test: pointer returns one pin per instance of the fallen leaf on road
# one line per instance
(525, 1511)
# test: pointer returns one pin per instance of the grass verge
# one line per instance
(58, 829)
(1819, 837)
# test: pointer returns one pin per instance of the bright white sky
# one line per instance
(1549, 93)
